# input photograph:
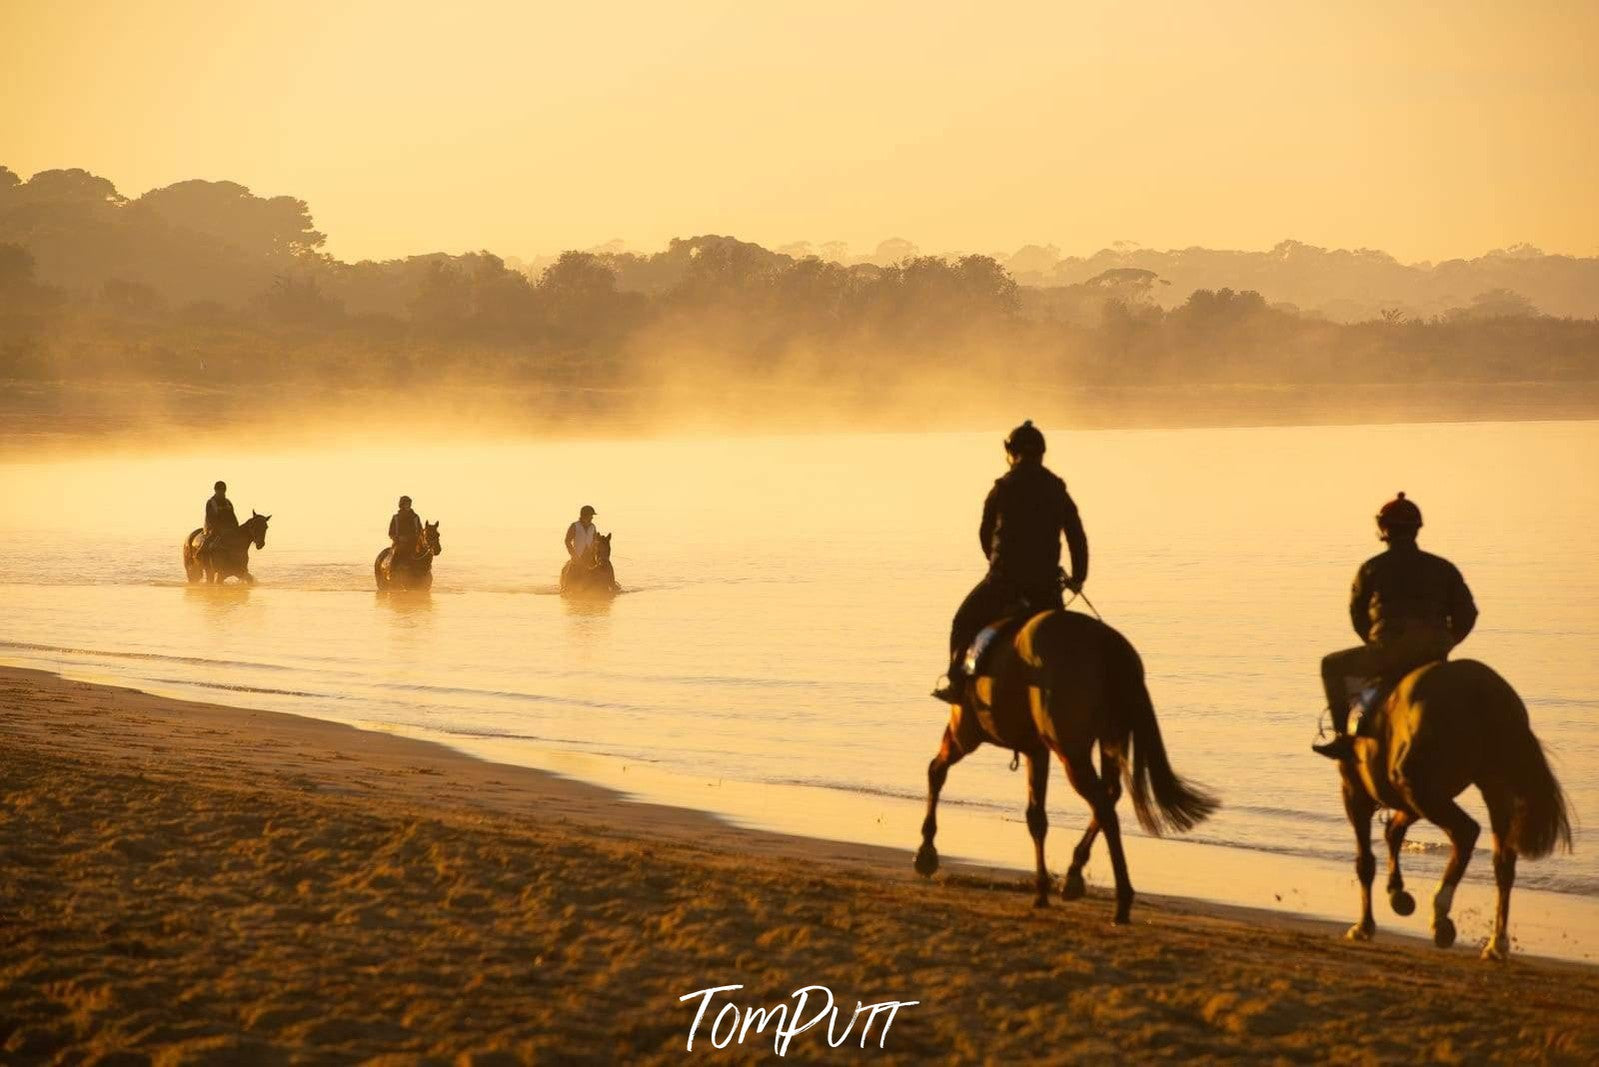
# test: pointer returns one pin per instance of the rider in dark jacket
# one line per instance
(1409, 608)
(404, 531)
(1023, 519)
(219, 517)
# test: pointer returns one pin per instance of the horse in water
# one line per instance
(414, 571)
(1062, 683)
(591, 574)
(1446, 726)
(229, 556)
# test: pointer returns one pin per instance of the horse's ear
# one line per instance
(254, 514)
(266, 518)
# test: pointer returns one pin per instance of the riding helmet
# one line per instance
(221, 487)
(404, 501)
(1399, 512)
(1025, 440)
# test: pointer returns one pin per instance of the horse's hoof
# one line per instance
(1122, 917)
(1360, 932)
(1443, 932)
(1402, 902)
(1041, 901)
(1496, 949)
(1074, 887)
(926, 861)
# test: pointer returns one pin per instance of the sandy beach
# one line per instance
(189, 883)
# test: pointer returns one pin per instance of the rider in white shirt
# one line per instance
(580, 535)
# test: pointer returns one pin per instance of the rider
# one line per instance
(580, 535)
(219, 517)
(1023, 518)
(404, 530)
(1408, 606)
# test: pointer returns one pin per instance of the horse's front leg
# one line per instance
(1359, 806)
(1038, 820)
(950, 752)
(1402, 902)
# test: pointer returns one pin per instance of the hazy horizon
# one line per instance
(529, 130)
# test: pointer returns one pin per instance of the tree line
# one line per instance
(204, 282)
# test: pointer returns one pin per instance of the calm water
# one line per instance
(786, 609)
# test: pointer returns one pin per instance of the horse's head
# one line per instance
(255, 528)
(430, 532)
(602, 548)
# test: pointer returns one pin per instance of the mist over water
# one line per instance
(786, 606)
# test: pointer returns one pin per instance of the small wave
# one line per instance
(236, 687)
(157, 657)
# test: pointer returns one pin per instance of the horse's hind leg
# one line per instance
(950, 752)
(1402, 902)
(1038, 820)
(1080, 769)
(1500, 806)
(1073, 887)
(1359, 807)
(1462, 830)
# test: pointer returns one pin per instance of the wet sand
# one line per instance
(192, 883)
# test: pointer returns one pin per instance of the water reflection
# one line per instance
(588, 607)
(406, 601)
(218, 601)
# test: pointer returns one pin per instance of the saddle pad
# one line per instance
(985, 639)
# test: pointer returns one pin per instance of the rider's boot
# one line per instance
(1341, 747)
(952, 687)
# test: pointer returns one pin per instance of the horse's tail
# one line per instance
(1539, 822)
(1161, 799)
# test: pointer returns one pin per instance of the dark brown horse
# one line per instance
(591, 574)
(1063, 684)
(412, 571)
(229, 556)
(1447, 726)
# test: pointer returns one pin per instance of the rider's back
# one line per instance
(1404, 587)
(1022, 522)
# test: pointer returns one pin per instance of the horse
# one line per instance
(591, 574)
(1445, 726)
(1061, 684)
(413, 572)
(229, 557)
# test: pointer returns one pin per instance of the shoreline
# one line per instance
(1551, 923)
(219, 846)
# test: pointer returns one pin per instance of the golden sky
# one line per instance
(1429, 130)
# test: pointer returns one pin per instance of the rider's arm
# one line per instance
(1076, 538)
(985, 531)
(1462, 609)
(394, 526)
(571, 538)
(1360, 605)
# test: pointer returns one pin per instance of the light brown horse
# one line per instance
(1446, 726)
(1063, 684)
